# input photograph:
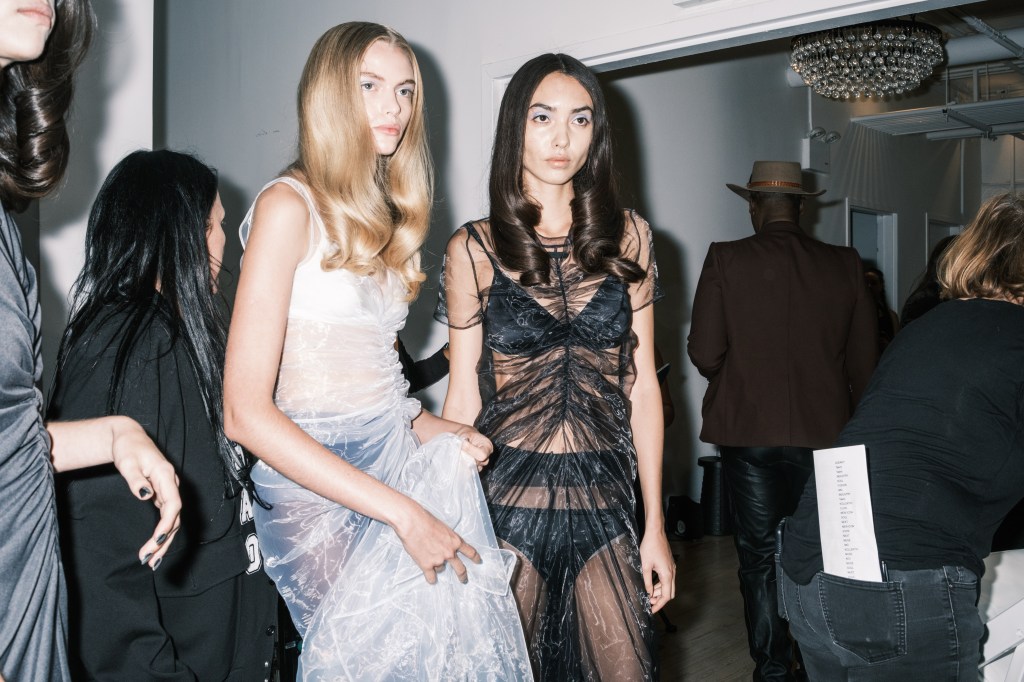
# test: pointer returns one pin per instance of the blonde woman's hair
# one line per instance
(987, 259)
(376, 209)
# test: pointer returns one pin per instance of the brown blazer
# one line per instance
(785, 332)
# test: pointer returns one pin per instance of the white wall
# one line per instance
(1002, 165)
(111, 116)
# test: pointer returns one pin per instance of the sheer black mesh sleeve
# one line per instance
(465, 275)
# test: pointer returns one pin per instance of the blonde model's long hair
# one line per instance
(987, 259)
(376, 209)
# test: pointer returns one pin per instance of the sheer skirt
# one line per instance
(361, 604)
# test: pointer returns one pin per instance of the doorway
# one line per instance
(872, 233)
(936, 231)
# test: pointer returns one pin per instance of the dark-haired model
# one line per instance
(552, 357)
(35, 93)
(146, 340)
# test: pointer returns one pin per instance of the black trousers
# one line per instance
(765, 484)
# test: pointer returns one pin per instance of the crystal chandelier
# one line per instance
(867, 59)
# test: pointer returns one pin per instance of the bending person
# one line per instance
(943, 422)
(35, 92)
(360, 514)
(146, 339)
(551, 300)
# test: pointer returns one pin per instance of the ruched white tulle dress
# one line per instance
(361, 604)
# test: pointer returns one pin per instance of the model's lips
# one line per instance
(559, 161)
(388, 129)
(39, 11)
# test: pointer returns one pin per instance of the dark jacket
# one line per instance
(784, 330)
(116, 628)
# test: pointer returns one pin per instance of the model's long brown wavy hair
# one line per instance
(376, 209)
(598, 222)
(987, 259)
(34, 101)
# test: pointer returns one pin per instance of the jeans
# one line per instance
(764, 485)
(917, 626)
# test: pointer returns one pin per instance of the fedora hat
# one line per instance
(774, 176)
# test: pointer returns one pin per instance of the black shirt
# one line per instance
(943, 423)
(116, 615)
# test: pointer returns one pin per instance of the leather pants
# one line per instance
(764, 484)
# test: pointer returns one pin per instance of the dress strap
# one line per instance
(475, 234)
(316, 236)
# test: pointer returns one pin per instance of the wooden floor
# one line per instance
(710, 642)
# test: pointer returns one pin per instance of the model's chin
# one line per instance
(386, 145)
(26, 50)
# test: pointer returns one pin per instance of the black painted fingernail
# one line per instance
(156, 564)
(160, 538)
(145, 492)
(145, 559)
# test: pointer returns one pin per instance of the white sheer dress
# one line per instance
(360, 603)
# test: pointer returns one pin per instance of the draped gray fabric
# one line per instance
(32, 593)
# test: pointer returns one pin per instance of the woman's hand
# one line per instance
(432, 544)
(150, 477)
(476, 445)
(119, 439)
(656, 558)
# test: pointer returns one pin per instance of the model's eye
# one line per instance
(366, 85)
(406, 91)
(582, 120)
(540, 117)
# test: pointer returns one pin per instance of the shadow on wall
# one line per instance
(64, 216)
(419, 325)
(672, 313)
(236, 202)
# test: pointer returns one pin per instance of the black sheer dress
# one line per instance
(555, 376)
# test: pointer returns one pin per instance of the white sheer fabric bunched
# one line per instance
(361, 604)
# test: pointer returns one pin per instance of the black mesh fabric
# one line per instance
(555, 376)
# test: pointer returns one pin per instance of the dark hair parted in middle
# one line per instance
(598, 221)
(147, 257)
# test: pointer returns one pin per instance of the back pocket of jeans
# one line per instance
(867, 619)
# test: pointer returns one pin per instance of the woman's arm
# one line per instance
(277, 243)
(89, 442)
(462, 403)
(474, 444)
(648, 438)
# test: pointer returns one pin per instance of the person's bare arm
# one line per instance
(648, 439)
(121, 441)
(277, 243)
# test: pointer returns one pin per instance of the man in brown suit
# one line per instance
(783, 329)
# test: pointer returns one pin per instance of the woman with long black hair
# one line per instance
(549, 302)
(146, 339)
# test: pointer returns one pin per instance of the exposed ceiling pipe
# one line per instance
(999, 38)
(975, 49)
